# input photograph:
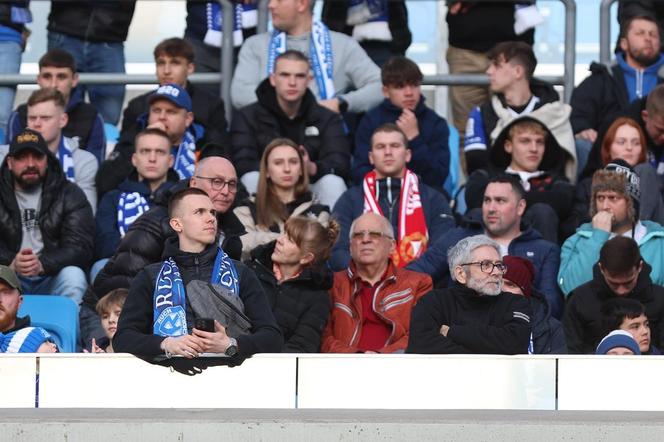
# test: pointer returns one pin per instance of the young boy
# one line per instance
(109, 308)
(629, 315)
(404, 106)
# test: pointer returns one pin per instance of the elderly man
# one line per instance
(474, 316)
(373, 298)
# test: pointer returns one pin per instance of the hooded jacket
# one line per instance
(65, 221)
(583, 313)
(430, 149)
(393, 301)
(301, 305)
(479, 324)
(135, 327)
(316, 128)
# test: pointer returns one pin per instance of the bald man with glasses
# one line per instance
(372, 298)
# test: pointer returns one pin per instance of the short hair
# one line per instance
(400, 71)
(515, 52)
(175, 47)
(114, 297)
(151, 131)
(58, 58)
(389, 128)
(47, 94)
(311, 236)
(610, 136)
(619, 255)
(526, 125)
(513, 181)
(293, 55)
(177, 197)
(615, 310)
(462, 251)
(387, 226)
(627, 23)
(655, 101)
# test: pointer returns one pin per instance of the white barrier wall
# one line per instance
(18, 381)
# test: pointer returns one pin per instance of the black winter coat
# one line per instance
(135, 327)
(548, 334)
(583, 314)
(65, 220)
(98, 21)
(300, 305)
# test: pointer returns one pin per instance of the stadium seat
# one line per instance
(452, 182)
(57, 314)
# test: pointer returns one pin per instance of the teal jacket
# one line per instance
(581, 251)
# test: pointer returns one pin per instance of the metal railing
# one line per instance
(605, 31)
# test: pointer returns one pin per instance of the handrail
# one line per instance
(605, 31)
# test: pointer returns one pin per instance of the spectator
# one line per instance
(119, 208)
(649, 112)
(526, 149)
(45, 221)
(286, 108)
(620, 273)
(94, 33)
(618, 343)
(146, 326)
(404, 106)
(501, 219)
(372, 298)
(417, 212)
(547, 336)
(13, 38)
(109, 308)
(144, 242)
(345, 77)
(615, 196)
(607, 93)
(629, 315)
(624, 140)
(295, 278)
(57, 69)
(516, 93)
(282, 193)
(381, 28)
(46, 115)
(474, 316)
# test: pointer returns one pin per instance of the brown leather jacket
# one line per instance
(393, 301)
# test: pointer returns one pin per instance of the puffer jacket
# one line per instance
(393, 301)
(66, 222)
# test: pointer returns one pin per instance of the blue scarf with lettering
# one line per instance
(245, 16)
(169, 298)
(320, 55)
(131, 205)
(185, 157)
(66, 160)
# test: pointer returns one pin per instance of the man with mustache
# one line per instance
(474, 316)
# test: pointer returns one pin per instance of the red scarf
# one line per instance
(412, 237)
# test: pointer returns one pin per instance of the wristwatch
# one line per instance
(343, 105)
(231, 350)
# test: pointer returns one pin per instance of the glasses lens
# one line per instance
(375, 235)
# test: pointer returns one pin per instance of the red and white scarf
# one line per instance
(412, 235)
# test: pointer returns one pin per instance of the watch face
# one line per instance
(231, 350)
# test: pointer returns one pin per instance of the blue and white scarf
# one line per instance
(131, 205)
(66, 160)
(320, 54)
(185, 157)
(363, 11)
(25, 340)
(169, 298)
(245, 16)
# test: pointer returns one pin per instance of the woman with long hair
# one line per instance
(296, 279)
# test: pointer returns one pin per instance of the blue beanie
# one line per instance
(25, 340)
(617, 338)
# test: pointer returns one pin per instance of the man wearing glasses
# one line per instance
(373, 298)
(474, 316)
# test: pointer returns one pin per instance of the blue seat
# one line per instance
(57, 314)
(451, 184)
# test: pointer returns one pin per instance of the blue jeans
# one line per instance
(10, 63)
(96, 268)
(96, 57)
(70, 282)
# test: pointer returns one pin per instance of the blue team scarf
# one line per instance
(364, 11)
(214, 22)
(131, 205)
(185, 157)
(25, 340)
(66, 160)
(169, 298)
(320, 54)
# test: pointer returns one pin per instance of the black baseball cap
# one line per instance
(28, 139)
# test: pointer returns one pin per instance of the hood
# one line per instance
(544, 90)
(267, 97)
(656, 67)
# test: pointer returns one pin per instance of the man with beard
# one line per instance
(46, 223)
(474, 316)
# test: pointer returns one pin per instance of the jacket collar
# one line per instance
(267, 97)
(187, 259)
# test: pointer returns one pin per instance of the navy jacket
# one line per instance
(544, 255)
(350, 205)
(431, 153)
(548, 335)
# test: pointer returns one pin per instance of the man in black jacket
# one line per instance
(474, 316)
(46, 223)
(158, 317)
(620, 272)
(287, 108)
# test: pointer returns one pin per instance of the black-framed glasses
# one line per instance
(374, 235)
(487, 266)
(220, 183)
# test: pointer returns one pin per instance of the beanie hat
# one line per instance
(617, 177)
(25, 340)
(615, 339)
(521, 272)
